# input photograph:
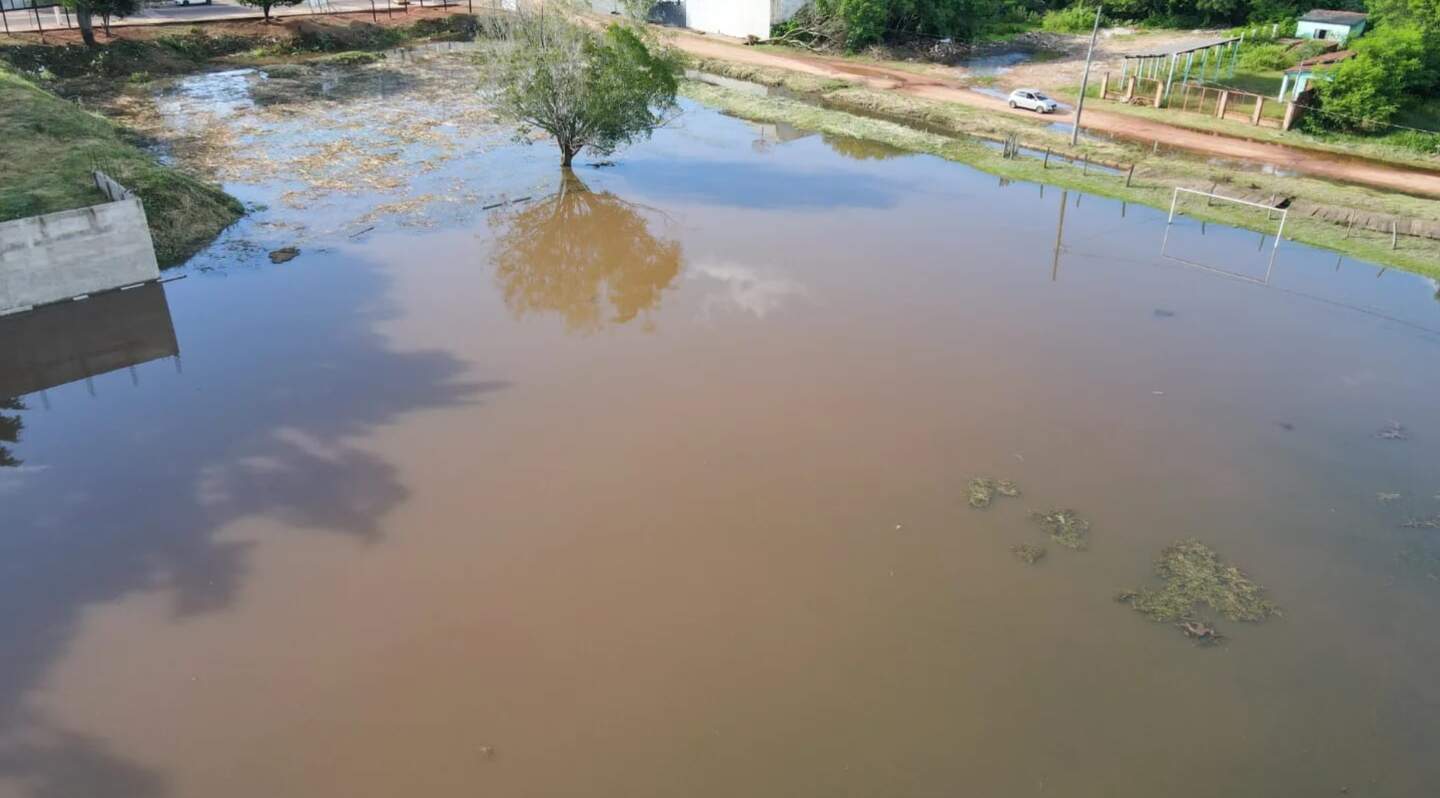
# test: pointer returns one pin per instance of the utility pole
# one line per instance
(1085, 79)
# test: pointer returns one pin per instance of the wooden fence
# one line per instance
(1221, 103)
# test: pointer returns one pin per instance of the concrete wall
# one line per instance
(66, 254)
(70, 341)
(738, 18)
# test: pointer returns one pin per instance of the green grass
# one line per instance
(50, 146)
(1266, 84)
(1152, 186)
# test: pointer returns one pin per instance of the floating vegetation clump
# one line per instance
(1431, 522)
(1028, 552)
(1394, 431)
(1194, 574)
(982, 491)
(1066, 527)
(1386, 498)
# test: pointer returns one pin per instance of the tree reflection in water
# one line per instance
(587, 256)
(10, 427)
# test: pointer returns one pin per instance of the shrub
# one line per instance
(1267, 58)
(1391, 68)
(1075, 19)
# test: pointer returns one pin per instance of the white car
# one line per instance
(1033, 100)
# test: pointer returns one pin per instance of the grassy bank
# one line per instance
(1148, 188)
(50, 146)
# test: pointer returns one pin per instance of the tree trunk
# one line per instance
(87, 27)
(567, 154)
(266, 8)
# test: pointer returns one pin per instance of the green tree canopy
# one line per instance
(589, 90)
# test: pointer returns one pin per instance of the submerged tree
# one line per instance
(590, 90)
(586, 256)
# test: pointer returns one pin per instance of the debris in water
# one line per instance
(1066, 527)
(1432, 522)
(1386, 498)
(1200, 632)
(284, 254)
(1194, 574)
(982, 491)
(1394, 431)
(1162, 313)
(1028, 553)
(1285, 425)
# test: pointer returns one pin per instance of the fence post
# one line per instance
(1170, 77)
(1128, 177)
(1394, 236)
(1105, 86)
(1290, 113)
(1259, 107)
(1046, 164)
(1221, 106)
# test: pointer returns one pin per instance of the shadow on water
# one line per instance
(140, 499)
(588, 257)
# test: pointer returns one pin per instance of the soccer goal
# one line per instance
(1211, 198)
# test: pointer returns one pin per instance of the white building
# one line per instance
(739, 18)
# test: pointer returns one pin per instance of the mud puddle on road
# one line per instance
(656, 484)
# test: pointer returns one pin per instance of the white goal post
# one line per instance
(1269, 209)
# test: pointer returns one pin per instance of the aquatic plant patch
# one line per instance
(1194, 575)
(982, 490)
(1028, 553)
(1429, 522)
(1066, 527)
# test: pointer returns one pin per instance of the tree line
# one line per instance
(855, 24)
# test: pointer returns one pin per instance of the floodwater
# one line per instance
(653, 484)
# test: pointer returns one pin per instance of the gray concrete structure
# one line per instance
(62, 255)
(63, 343)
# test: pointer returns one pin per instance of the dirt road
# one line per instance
(1309, 162)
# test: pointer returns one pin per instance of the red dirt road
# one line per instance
(1309, 162)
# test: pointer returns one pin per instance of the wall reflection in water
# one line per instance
(588, 257)
(72, 341)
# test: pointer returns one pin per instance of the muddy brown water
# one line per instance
(654, 485)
